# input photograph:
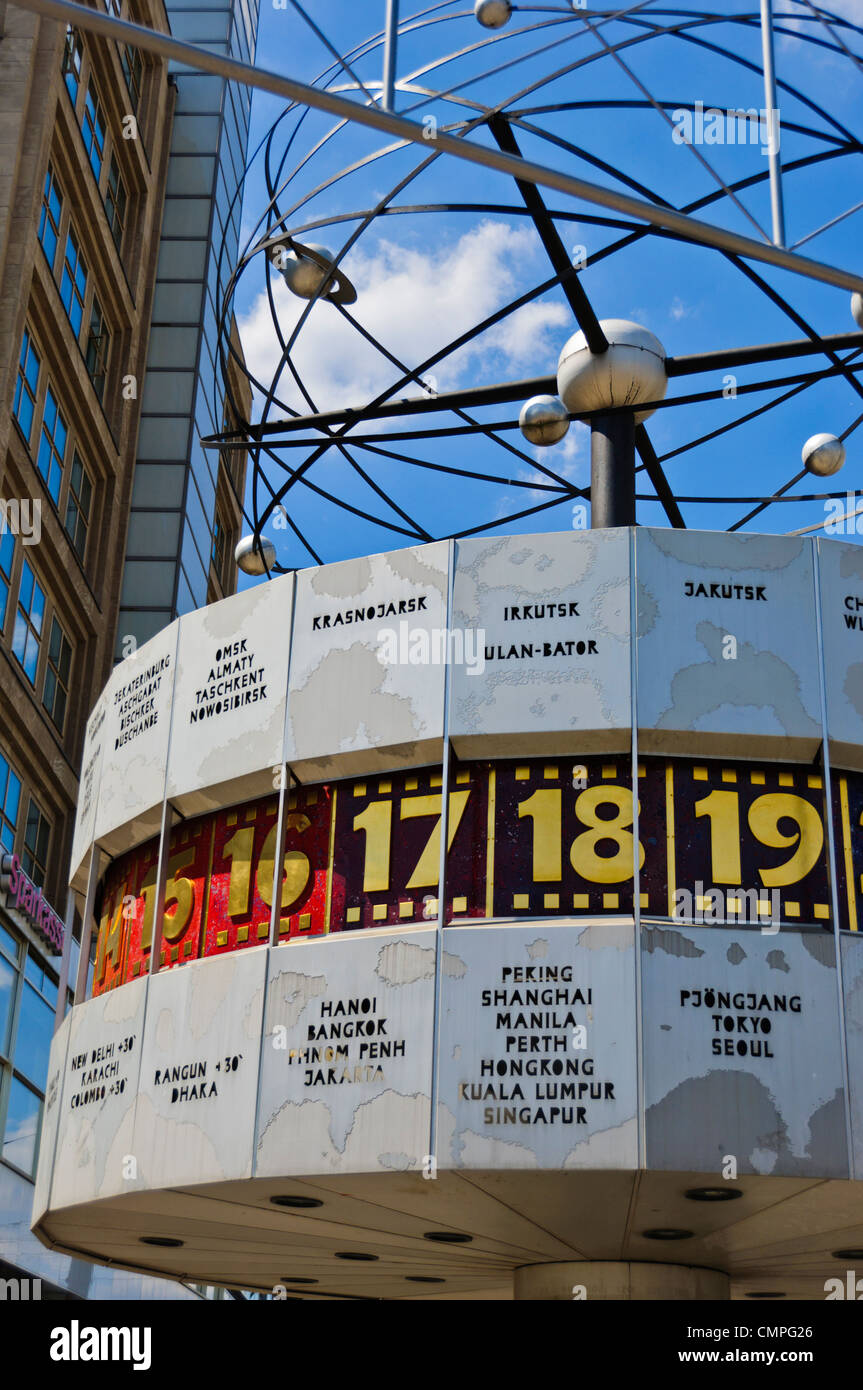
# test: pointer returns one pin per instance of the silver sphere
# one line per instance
(631, 370)
(255, 554)
(304, 276)
(857, 308)
(492, 14)
(823, 455)
(543, 420)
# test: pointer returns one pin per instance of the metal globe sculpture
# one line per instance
(543, 420)
(823, 455)
(857, 309)
(469, 284)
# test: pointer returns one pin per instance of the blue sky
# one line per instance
(422, 278)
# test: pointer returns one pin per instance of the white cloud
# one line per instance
(415, 300)
(807, 23)
(680, 310)
(847, 9)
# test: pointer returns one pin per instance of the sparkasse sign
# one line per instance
(24, 897)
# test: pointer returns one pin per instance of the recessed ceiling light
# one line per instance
(296, 1279)
(295, 1200)
(852, 1254)
(771, 1294)
(713, 1194)
(667, 1233)
(170, 1242)
(424, 1279)
(354, 1255)
(448, 1237)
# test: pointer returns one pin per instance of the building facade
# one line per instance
(86, 155)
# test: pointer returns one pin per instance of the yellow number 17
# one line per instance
(376, 822)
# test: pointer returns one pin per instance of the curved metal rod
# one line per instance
(754, 179)
(368, 411)
(484, 429)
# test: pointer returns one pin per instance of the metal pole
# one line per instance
(612, 470)
(690, 364)
(814, 546)
(444, 843)
(703, 233)
(278, 859)
(390, 46)
(161, 884)
(87, 925)
(636, 856)
(772, 115)
(62, 988)
(554, 247)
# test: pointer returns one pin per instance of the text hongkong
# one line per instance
(23, 895)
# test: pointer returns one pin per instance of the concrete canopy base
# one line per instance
(618, 1281)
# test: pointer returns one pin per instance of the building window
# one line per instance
(21, 1135)
(29, 616)
(56, 688)
(78, 505)
(52, 445)
(28, 1000)
(98, 342)
(35, 1021)
(93, 129)
(9, 952)
(10, 800)
(24, 400)
(49, 218)
(73, 285)
(7, 555)
(133, 71)
(73, 54)
(115, 202)
(34, 854)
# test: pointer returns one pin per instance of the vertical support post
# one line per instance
(87, 925)
(68, 928)
(444, 841)
(831, 853)
(161, 882)
(612, 470)
(278, 859)
(772, 117)
(390, 46)
(641, 1139)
